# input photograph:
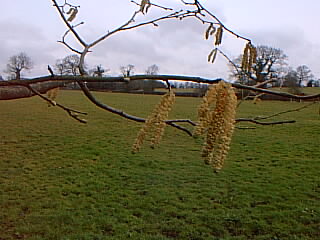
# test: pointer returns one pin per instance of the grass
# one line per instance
(63, 180)
(305, 90)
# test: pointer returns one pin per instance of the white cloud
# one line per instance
(178, 48)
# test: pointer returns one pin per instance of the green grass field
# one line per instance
(60, 179)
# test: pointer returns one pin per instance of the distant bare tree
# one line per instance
(68, 65)
(269, 66)
(152, 70)
(17, 64)
(304, 74)
(127, 71)
(60, 67)
(98, 71)
(291, 81)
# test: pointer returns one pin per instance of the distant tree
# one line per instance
(291, 80)
(310, 83)
(68, 65)
(152, 70)
(149, 86)
(269, 66)
(1, 79)
(17, 64)
(304, 74)
(127, 71)
(98, 71)
(60, 67)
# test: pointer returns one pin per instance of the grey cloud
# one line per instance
(20, 37)
(294, 43)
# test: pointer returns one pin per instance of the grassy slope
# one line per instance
(63, 180)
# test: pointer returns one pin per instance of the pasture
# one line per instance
(60, 179)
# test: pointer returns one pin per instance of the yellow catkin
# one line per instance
(144, 6)
(73, 14)
(245, 57)
(221, 126)
(256, 99)
(253, 54)
(163, 114)
(52, 94)
(155, 123)
(249, 57)
(207, 33)
(212, 55)
(210, 31)
(208, 101)
(219, 34)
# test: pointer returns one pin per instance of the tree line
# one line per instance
(271, 67)
(69, 65)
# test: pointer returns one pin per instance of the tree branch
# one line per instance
(263, 123)
(285, 112)
(72, 113)
(77, 36)
(68, 78)
(121, 113)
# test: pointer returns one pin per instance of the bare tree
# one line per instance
(291, 81)
(304, 74)
(127, 71)
(98, 71)
(60, 67)
(268, 66)
(17, 64)
(70, 65)
(152, 70)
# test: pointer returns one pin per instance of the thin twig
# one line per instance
(285, 112)
(263, 123)
(121, 113)
(75, 33)
(72, 113)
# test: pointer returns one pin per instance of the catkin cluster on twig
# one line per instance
(217, 119)
(155, 123)
(219, 36)
(72, 14)
(204, 110)
(211, 30)
(249, 57)
(144, 6)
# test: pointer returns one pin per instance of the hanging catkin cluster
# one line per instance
(249, 57)
(52, 94)
(211, 30)
(72, 14)
(155, 123)
(218, 123)
(204, 110)
(144, 6)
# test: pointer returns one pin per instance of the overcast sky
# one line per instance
(34, 27)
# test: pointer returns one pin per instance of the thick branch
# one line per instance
(18, 91)
(71, 112)
(152, 77)
(125, 115)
